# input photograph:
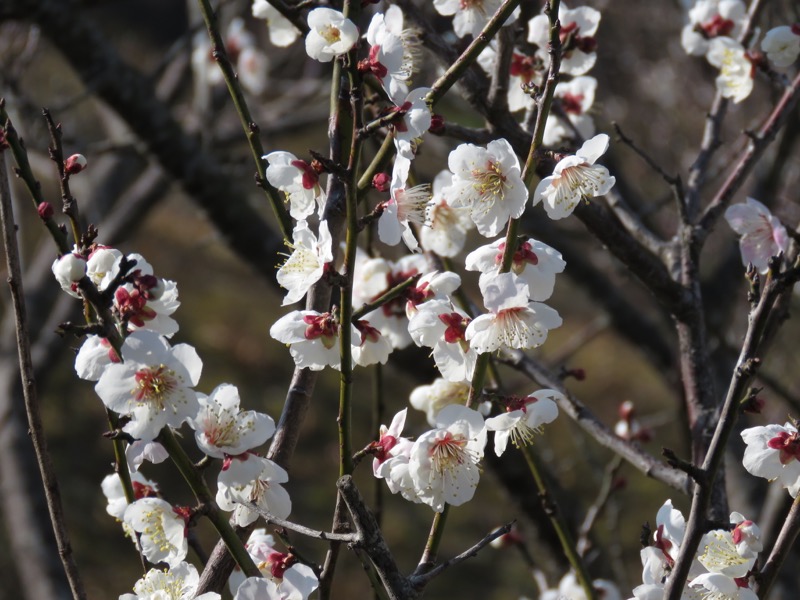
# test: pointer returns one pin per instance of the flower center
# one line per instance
(523, 67)
(572, 103)
(154, 384)
(490, 181)
(449, 452)
(321, 327)
(715, 27)
(456, 326)
(330, 34)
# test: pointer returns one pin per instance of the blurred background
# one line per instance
(146, 195)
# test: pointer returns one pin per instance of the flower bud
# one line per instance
(437, 125)
(45, 210)
(381, 182)
(3, 140)
(75, 164)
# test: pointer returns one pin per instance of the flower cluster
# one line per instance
(722, 567)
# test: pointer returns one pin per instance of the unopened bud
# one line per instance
(45, 210)
(3, 140)
(381, 182)
(626, 410)
(753, 405)
(437, 125)
(75, 164)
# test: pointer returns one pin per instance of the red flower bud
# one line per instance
(75, 164)
(381, 182)
(45, 210)
(437, 125)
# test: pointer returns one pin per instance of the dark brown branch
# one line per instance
(783, 545)
(45, 464)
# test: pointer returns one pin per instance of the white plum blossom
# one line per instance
(670, 528)
(722, 587)
(405, 206)
(524, 73)
(534, 262)
(569, 588)
(575, 97)
(162, 531)
(103, 265)
(370, 346)
(251, 70)
(773, 452)
(524, 418)
(444, 462)
(393, 52)
(306, 264)
(68, 270)
(471, 16)
(746, 536)
(285, 578)
(763, 235)
(222, 429)
(146, 301)
(578, 29)
(735, 79)
(488, 182)
(153, 386)
(412, 125)
(513, 320)
(441, 326)
(312, 337)
(281, 31)
(374, 277)
(432, 398)
(178, 583)
(250, 479)
(782, 45)
(115, 492)
(575, 178)
(93, 357)
(709, 19)
(330, 34)
(388, 438)
(140, 451)
(447, 227)
(718, 553)
(431, 286)
(298, 181)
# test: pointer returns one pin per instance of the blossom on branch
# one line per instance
(471, 16)
(178, 583)
(525, 417)
(736, 71)
(710, 19)
(393, 52)
(281, 31)
(575, 178)
(577, 35)
(782, 45)
(249, 479)
(763, 235)
(773, 452)
(330, 34)
(161, 529)
(447, 227)
(298, 180)
(488, 182)
(306, 264)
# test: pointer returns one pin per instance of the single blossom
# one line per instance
(146, 301)
(513, 320)
(178, 583)
(247, 480)
(306, 264)
(414, 122)
(281, 31)
(735, 79)
(575, 178)
(471, 16)
(115, 492)
(68, 270)
(773, 452)
(441, 326)
(140, 451)
(782, 45)
(525, 72)
(222, 429)
(534, 262)
(393, 52)
(709, 19)
(447, 227)
(288, 579)
(299, 182)
(432, 398)
(575, 98)
(763, 235)
(330, 34)
(578, 30)
(722, 587)
(488, 182)
(525, 417)
(103, 265)
(388, 439)
(405, 206)
(161, 529)
(153, 386)
(370, 346)
(312, 337)
(443, 462)
(95, 354)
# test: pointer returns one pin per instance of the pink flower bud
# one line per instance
(75, 164)
(45, 210)
(3, 140)
(381, 182)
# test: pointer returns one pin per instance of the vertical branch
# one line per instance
(782, 547)
(47, 472)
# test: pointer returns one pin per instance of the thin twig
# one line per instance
(783, 545)
(303, 530)
(46, 469)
